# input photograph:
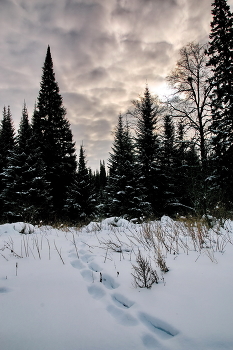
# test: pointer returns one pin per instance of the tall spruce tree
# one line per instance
(52, 132)
(26, 193)
(147, 146)
(220, 54)
(7, 136)
(7, 143)
(124, 197)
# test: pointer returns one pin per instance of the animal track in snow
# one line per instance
(109, 282)
(87, 258)
(88, 275)
(77, 264)
(121, 301)
(94, 267)
(96, 292)
(72, 255)
(82, 252)
(4, 290)
(122, 317)
(157, 326)
(120, 310)
(150, 342)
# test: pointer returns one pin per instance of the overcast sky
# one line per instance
(104, 52)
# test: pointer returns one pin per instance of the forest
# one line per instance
(168, 158)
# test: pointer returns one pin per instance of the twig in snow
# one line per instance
(74, 243)
(4, 257)
(49, 247)
(59, 253)
(106, 255)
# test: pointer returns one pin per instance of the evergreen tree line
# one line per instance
(166, 158)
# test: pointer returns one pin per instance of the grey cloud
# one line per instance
(96, 76)
(94, 130)
(104, 51)
(96, 138)
(101, 147)
(79, 105)
(146, 52)
(107, 93)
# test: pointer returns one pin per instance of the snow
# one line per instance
(51, 296)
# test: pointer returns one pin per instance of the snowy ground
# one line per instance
(51, 297)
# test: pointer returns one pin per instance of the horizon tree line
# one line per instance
(167, 158)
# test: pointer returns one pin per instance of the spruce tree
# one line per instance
(7, 137)
(26, 193)
(220, 54)
(194, 184)
(7, 143)
(24, 132)
(147, 145)
(180, 170)
(124, 197)
(103, 175)
(100, 181)
(167, 165)
(53, 134)
(81, 202)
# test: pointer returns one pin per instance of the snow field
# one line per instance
(54, 299)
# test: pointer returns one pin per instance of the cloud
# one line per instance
(104, 52)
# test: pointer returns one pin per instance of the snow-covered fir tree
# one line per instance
(100, 181)
(147, 147)
(81, 200)
(7, 143)
(7, 136)
(26, 193)
(53, 134)
(167, 165)
(124, 194)
(180, 170)
(220, 54)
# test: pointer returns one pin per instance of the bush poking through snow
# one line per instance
(144, 275)
(162, 263)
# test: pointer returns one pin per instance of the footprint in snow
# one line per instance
(4, 290)
(88, 275)
(150, 342)
(96, 292)
(77, 264)
(122, 317)
(121, 301)
(87, 258)
(72, 255)
(109, 282)
(157, 326)
(82, 251)
(94, 267)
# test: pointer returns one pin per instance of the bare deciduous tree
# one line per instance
(191, 98)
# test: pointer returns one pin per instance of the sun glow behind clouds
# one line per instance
(163, 91)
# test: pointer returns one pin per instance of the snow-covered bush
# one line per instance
(144, 275)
